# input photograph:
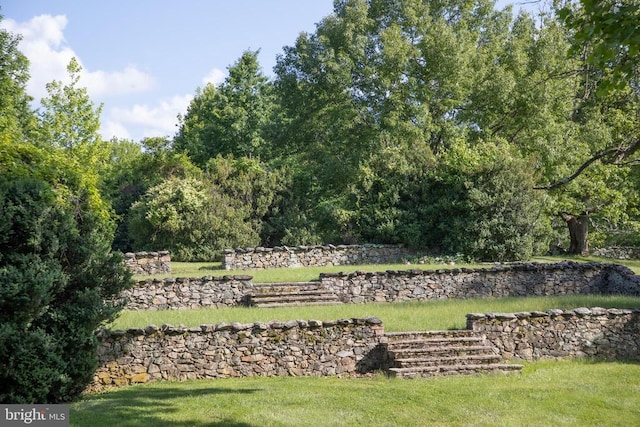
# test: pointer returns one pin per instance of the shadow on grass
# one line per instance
(147, 406)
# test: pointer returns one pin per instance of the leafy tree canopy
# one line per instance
(17, 121)
(229, 119)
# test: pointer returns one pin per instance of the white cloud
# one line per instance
(110, 129)
(215, 76)
(158, 120)
(43, 42)
(130, 80)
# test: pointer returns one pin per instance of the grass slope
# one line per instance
(547, 393)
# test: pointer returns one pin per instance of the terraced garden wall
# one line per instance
(148, 262)
(348, 347)
(311, 256)
(618, 252)
(392, 286)
(595, 332)
(312, 348)
(188, 293)
(526, 279)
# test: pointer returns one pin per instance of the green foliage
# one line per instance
(483, 205)
(386, 191)
(132, 171)
(364, 127)
(58, 278)
(70, 121)
(230, 119)
(17, 121)
(608, 32)
(374, 93)
(196, 219)
(171, 216)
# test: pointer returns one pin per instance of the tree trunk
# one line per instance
(578, 231)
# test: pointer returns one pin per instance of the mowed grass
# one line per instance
(201, 269)
(546, 393)
(302, 274)
(407, 316)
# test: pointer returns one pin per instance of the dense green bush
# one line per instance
(480, 202)
(58, 278)
(193, 219)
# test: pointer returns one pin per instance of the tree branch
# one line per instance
(581, 169)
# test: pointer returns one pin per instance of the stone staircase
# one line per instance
(438, 353)
(290, 294)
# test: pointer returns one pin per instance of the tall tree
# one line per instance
(606, 32)
(539, 94)
(70, 121)
(375, 74)
(230, 119)
(605, 35)
(17, 120)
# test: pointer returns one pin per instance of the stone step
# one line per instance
(447, 360)
(453, 333)
(286, 294)
(291, 294)
(437, 353)
(435, 342)
(295, 303)
(444, 351)
(292, 298)
(441, 370)
(264, 288)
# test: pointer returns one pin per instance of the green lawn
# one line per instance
(546, 393)
(201, 269)
(411, 316)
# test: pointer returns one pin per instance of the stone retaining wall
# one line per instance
(148, 262)
(348, 347)
(295, 348)
(187, 293)
(595, 332)
(618, 252)
(526, 279)
(310, 256)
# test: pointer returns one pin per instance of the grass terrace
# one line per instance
(547, 393)
(200, 269)
(403, 316)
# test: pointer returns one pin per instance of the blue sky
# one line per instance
(144, 59)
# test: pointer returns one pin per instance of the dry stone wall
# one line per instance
(187, 293)
(526, 279)
(618, 252)
(310, 256)
(348, 347)
(295, 348)
(594, 332)
(148, 262)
